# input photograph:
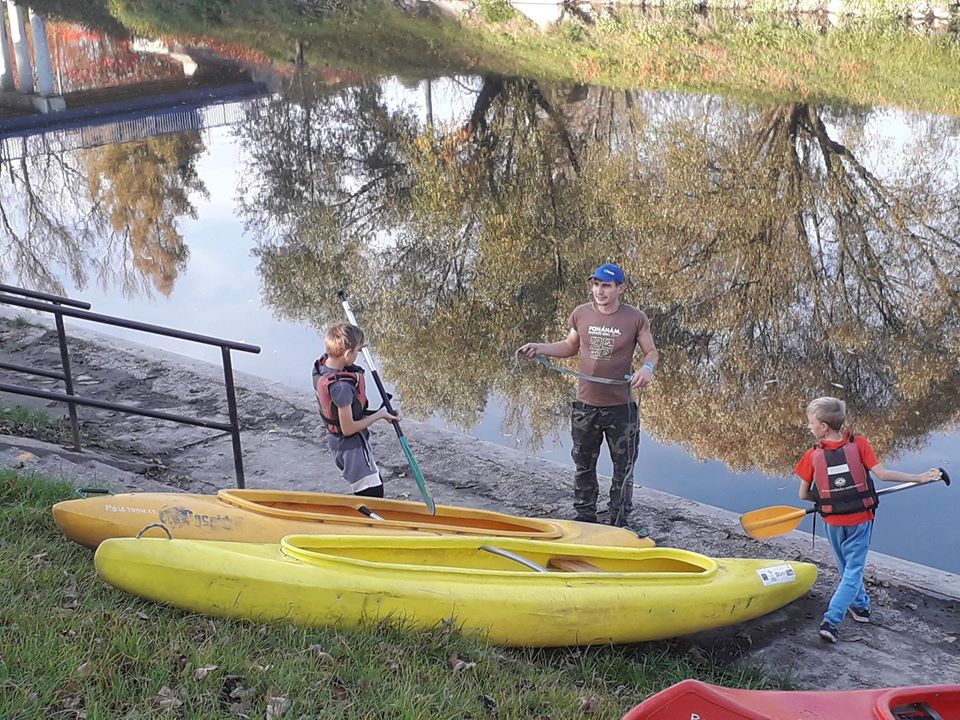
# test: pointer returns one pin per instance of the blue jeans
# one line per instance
(850, 544)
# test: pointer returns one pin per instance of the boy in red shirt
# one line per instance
(835, 474)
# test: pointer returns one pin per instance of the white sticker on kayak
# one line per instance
(777, 574)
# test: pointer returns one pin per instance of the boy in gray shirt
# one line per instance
(341, 394)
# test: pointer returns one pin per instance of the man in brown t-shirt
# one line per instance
(605, 334)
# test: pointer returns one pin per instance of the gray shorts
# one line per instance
(354, 457)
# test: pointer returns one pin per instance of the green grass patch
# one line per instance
(767, 57)
(71, 647)
(34, 423)
(20, 321)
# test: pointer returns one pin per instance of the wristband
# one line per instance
(651, 366)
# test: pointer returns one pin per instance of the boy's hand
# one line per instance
(929, 476)
(382, 414)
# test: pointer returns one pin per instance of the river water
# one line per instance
(782, 252)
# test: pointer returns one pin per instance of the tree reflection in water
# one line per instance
(780, 253)
(111, 211)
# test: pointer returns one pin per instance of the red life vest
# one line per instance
(841, 484)
(322, 381)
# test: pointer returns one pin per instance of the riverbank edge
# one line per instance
(923, 578)
(916, 607)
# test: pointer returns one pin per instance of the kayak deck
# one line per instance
(268, 515)
(583, 595)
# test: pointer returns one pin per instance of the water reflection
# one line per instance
(110, 212)
(783, 252)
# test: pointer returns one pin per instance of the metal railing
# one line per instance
(61, 307)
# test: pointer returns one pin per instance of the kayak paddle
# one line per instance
(414, 468)
(781, 519)
(369, 513)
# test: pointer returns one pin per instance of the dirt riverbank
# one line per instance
(913, 639)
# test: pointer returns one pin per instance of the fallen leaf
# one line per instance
(277, 705)
(142, 615)
(86, 669)
(489, 705)
(588, 705)
(26, 457)
(201, 672)
(459, 665)
(340, 690)
(166, 699)
(205, 631)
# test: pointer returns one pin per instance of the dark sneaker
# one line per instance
(586, 518)
(828, 632)
(861, 615)
(641, 531)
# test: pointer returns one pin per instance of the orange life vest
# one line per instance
(841, 484)
(322, 381)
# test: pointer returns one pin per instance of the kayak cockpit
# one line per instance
(325, 507)
(480, 554)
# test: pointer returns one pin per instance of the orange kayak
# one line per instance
(266, 516)
(694, 700)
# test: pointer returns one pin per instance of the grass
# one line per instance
(33, 422)
(20, 321)
(768, 58)
(73, 647)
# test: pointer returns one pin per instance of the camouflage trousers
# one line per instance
(589, 426)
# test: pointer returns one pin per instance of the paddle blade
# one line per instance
(771, 521)
(418, 476)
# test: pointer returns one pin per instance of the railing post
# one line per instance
(68, 380)
(232, 410)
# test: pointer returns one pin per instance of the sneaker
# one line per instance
(586, 518)
(641, 531)
(829, 632)
(861, 615)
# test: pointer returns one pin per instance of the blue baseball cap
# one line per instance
(608, 272)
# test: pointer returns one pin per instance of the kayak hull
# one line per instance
(695, 699)
(628, 595)
(269, 515)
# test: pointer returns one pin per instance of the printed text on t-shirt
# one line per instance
(602, 338)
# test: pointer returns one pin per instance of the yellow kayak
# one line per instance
(517, 592)
(269, 515)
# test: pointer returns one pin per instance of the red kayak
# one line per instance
(694, 700)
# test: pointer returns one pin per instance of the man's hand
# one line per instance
(641, 378)
(530, 350)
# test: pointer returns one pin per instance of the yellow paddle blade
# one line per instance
(771, 521)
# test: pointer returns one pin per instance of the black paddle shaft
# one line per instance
(386, 401)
